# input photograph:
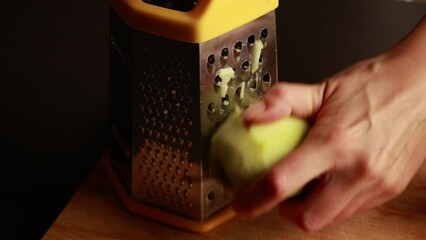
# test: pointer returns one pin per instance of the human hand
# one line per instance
(366, 144)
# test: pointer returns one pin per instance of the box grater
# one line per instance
(177, 69)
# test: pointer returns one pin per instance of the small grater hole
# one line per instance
(251, 39)
(264, 33)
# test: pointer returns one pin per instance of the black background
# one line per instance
(53, 86)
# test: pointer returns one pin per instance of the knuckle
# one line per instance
(274, 184)
(390, 188)
(366, 167)
(280, 92)
(338, 138)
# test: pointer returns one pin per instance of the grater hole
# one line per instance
(264, 33)
(210, 199)
(224, 53)
(251, 39)
(238, 47)
(186, 172)
(245, 66)
(225, 101)
(211, 59)
(252, 85)
(211, 108)
(267, 78)
(210, 62)
(239, 92)
(218, 81)
(182, 182)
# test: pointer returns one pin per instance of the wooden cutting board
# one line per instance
(95, 212)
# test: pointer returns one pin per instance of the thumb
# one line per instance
(284, 99)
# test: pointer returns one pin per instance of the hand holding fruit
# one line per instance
(366, 144)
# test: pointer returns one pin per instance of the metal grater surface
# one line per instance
(178, 101)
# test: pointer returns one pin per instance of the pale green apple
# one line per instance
(243, 153)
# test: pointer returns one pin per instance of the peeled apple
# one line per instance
(243, 153)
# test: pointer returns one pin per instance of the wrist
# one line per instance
(410, 52)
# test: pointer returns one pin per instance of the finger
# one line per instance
(354, 206)
(324, 204)
(284, 99)
(283, 180)
(373, 202)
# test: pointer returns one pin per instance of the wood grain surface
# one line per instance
(95, 212)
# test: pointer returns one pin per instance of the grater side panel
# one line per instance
(120, 95)
(166, 169)
(245, 88)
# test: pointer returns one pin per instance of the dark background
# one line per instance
(53, 86)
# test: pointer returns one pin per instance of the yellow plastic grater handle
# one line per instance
(207, 20)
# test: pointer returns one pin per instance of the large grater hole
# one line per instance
(224, 53)
(225, 101)
(266, 81)
(210, 199)
(238, 47)
(238, 92)
(252, 85)
(211, 108)
(245, 73)
(264, 33)
(245, 66)
(217, 83)
(251, 39)
(210, 62)
(211, 59)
